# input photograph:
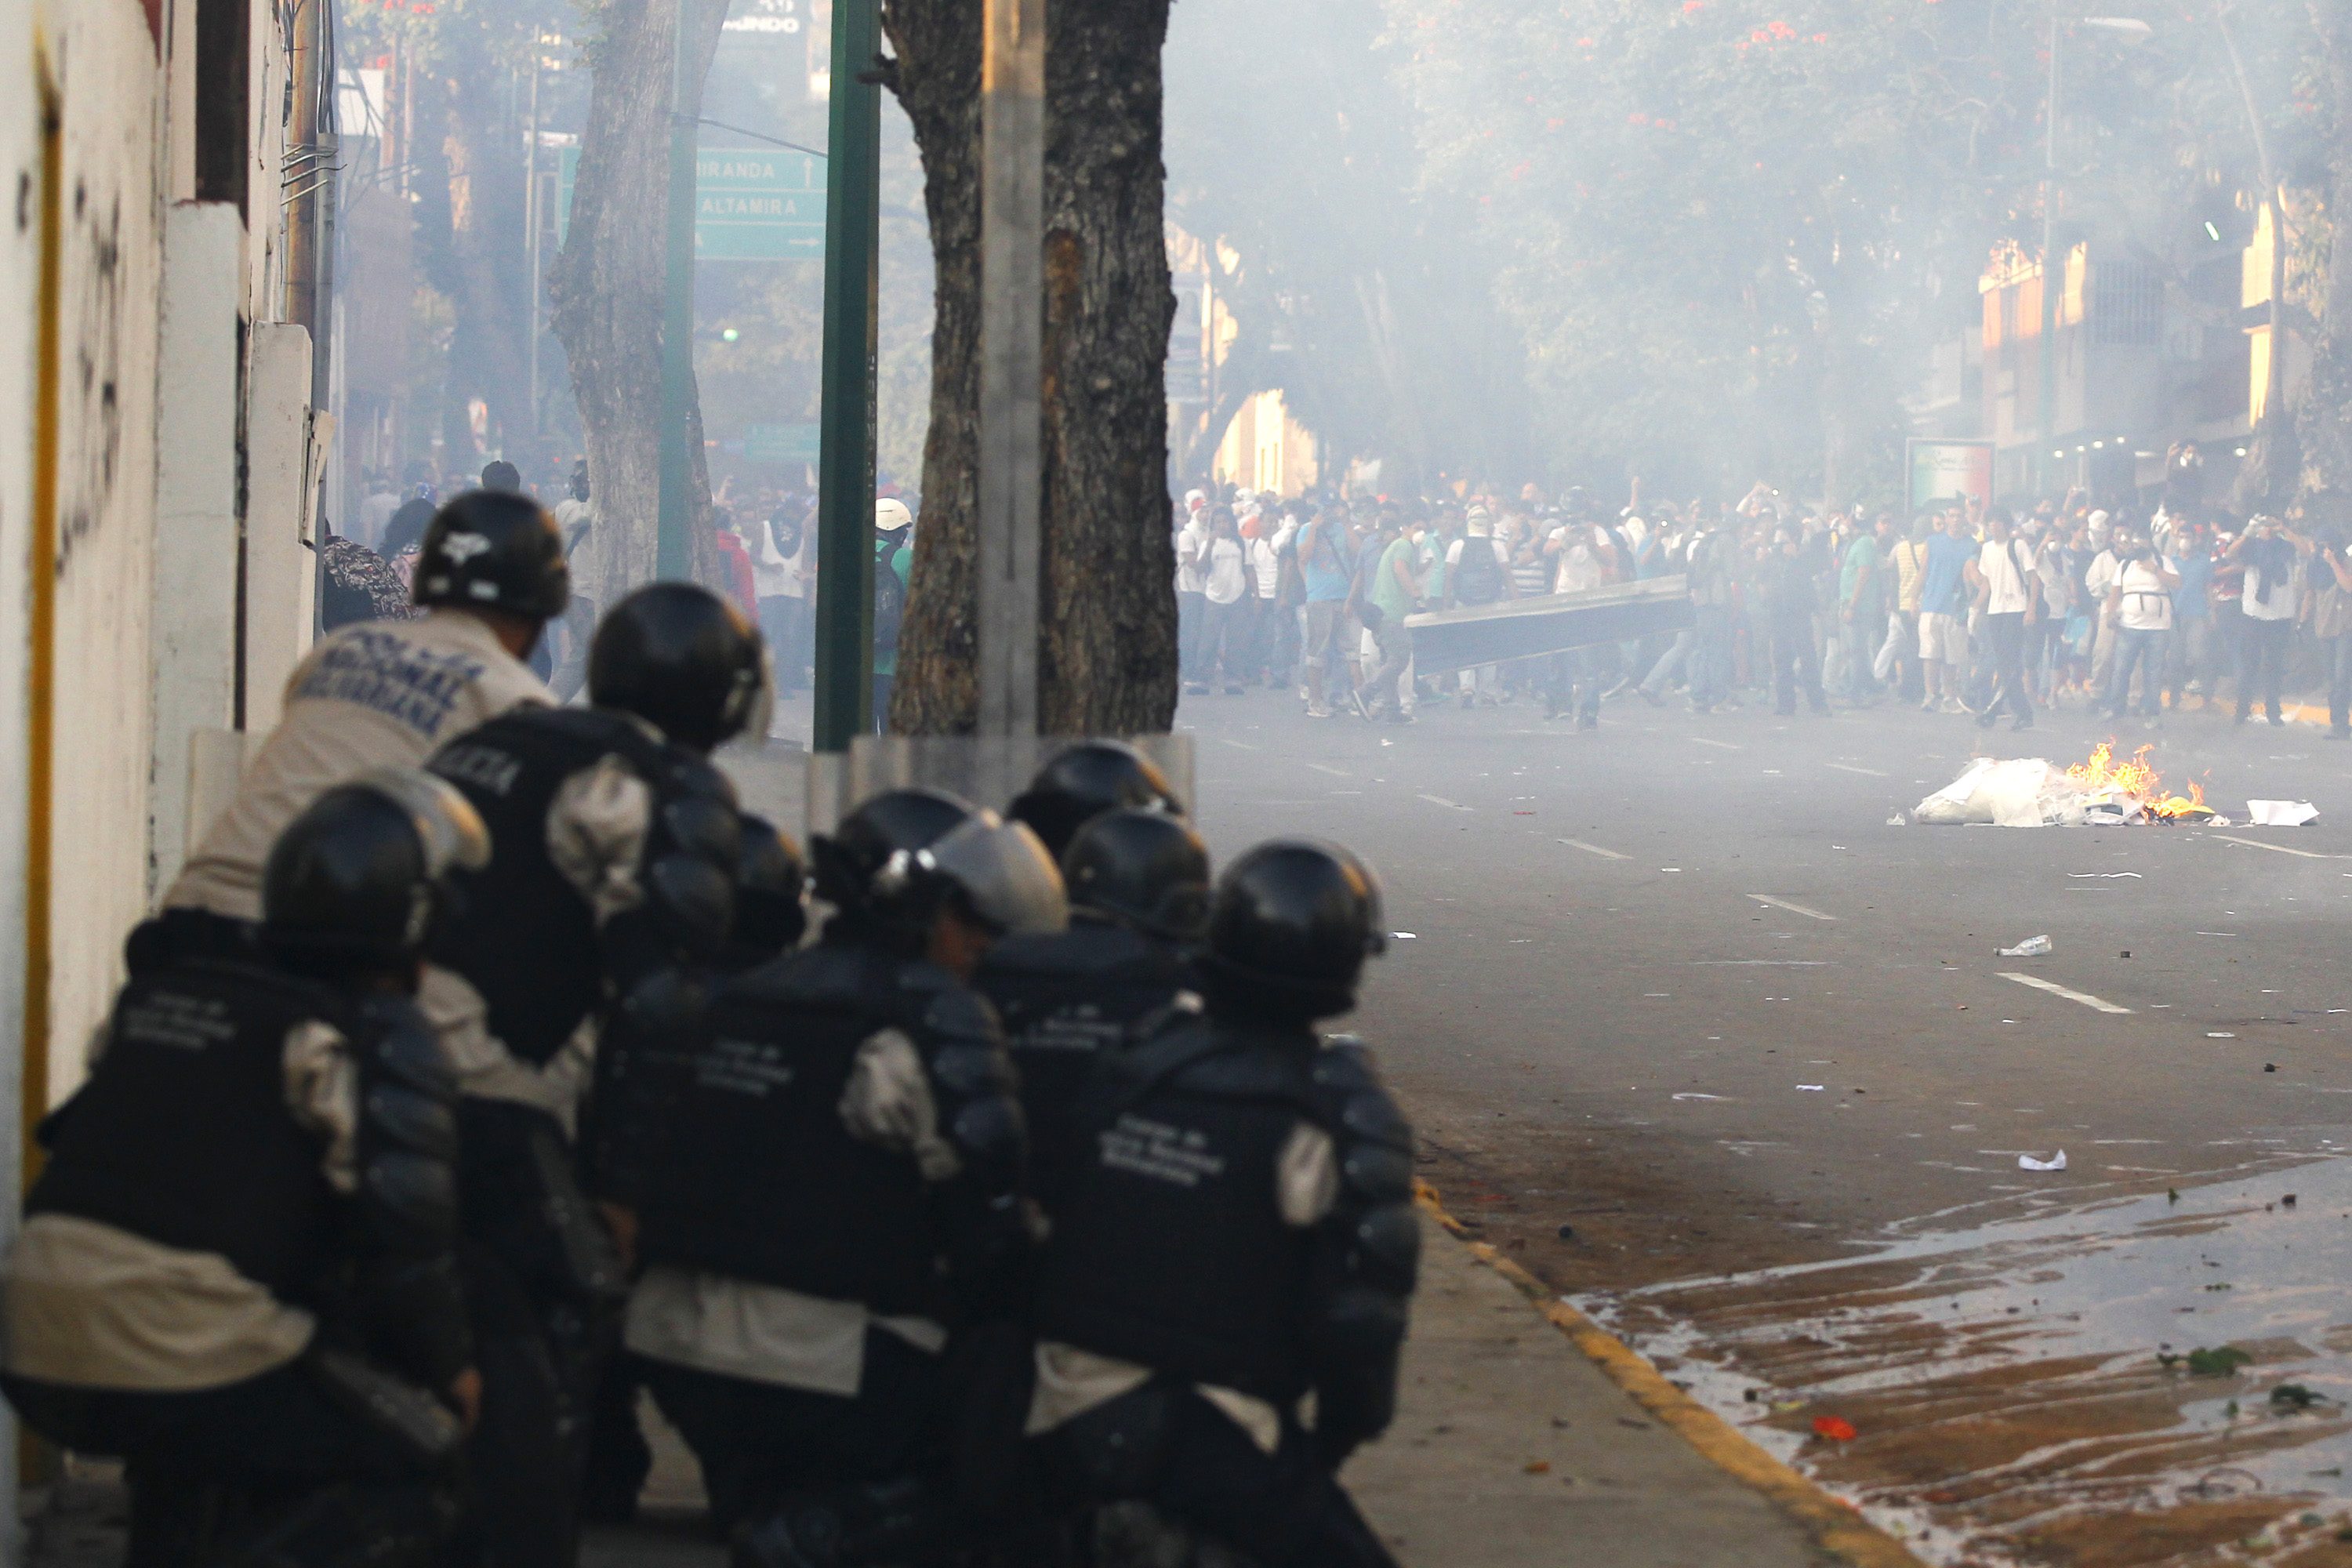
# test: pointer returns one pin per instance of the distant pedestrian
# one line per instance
(1223, 636)
(2271, 604)
(2008, 592)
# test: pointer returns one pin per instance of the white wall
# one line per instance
(111, 83)
(281, 478)
(195, 607)
(20, 269)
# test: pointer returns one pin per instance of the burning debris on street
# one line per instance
(2099, 790)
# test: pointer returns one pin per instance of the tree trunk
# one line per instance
(605, 290)
(2326, 414)
(1106, 656)
(489, 292)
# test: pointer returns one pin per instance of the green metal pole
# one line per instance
(674, 548)
(853, 234)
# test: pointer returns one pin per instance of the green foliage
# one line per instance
(2201, 1361)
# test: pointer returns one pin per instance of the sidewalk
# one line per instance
(1512, 1450)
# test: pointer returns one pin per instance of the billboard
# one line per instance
(1939, 471)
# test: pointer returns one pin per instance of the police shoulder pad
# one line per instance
(953, 1013)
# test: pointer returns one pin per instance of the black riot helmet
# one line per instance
(1085, 781)
(494, 550)
(848, 859)
(683, 660)
(770, 915)
(354, 883)
(1141, 868)
(1290, 929)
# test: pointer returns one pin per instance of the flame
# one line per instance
(2100, 773)
(2173, 807)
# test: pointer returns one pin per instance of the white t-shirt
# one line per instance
(1191, 544)
(2284, 599)
(1265, 558)
(1223, 579)
(2148, 602)
(2006, 594)
(2099, 578)
(1581, 568)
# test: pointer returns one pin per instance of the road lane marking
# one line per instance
(1236, 746)
(2084, 997)
(1334, 773)
(1594, 849)
(1448, 804)
(1850, 768)
(1720, 745)
(1759, 963)
(1792, 909)
(2277, 849)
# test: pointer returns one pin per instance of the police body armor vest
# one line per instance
(759, 1179)
(183, 1135)
(1068, 999)
(521, 935)
(1169, 1248)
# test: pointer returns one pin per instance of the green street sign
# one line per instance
(749, 205)
(780, 443)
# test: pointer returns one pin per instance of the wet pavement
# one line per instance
(2014, 1388)
(1695, 1033)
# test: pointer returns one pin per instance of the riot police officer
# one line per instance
(1238, 1234)
(842, 1191)
(1086, 780)
(771, 914)
(1138, 893)
(586, 939)
(237, 1270)
(378, 694)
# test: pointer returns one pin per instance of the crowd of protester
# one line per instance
(2129, 610)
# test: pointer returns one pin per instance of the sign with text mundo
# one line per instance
(748, 206)
(1943, 471)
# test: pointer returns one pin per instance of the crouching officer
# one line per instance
(1086, 780)
(1238, 1234)
(1139, 892)
(771, 914)
(841, 1192)
(237, 1270)
(586, 939)
(490, 573)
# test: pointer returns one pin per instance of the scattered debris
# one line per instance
(2286, 1201)
(2281, 813)
(1539, 1467)
(2055, 1163)
(2220, 1035)
(2223, 1362)
(1693, 1094)
(1897, 820)
(2106, 876)
(1835, 1428)
(2032, 947)
(2293, 1396)
(1568, 1233)
(2270, 1066)
(1813, 1088)
(1405, 935)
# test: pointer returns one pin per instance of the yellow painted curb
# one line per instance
(1833, 1522)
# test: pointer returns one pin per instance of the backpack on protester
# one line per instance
(1477, 577)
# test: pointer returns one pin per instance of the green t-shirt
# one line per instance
(1861, 565)
(1387, 592)
(885, 660)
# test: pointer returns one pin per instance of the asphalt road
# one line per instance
(1679, 987)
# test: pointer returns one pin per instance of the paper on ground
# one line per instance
(2281, 813)
(2028, 1162)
